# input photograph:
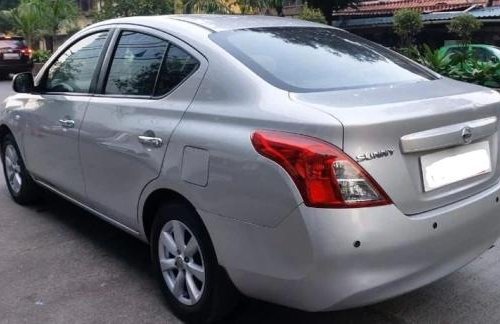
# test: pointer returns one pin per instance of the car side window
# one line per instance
(74, 70)
(482, 54)
(177, 66)
(135, 65)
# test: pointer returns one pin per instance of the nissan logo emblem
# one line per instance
(467, 135)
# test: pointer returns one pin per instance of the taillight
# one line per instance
(325, 176)
(27, 52)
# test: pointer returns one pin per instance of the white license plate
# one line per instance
(11, 56)
(455, 164)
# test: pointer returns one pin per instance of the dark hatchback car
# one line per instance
(15, 56)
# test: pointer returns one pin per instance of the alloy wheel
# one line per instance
(13, 168)
(181, 262)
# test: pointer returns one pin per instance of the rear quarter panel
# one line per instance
(230, 105)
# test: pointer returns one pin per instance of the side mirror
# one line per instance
(23, 83)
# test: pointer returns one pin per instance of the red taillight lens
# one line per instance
(27, 52)
(325, 176)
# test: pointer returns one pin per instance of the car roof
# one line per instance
(218, 23)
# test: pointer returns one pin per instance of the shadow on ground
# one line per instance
(134, 255)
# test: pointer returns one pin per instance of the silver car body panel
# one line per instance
(272, 245)
(375, 119)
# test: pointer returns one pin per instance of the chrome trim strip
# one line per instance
(447, 136)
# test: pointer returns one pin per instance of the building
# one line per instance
(374, 19)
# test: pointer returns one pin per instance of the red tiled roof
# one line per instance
(387, 7)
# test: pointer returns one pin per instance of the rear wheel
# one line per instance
(19, 182)
(196, 287)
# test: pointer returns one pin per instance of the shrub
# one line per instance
(460, 66)
(41, 56)
(407, 24)
(312, 14)
(464, 26)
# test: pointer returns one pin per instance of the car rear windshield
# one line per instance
(309, 59)
(12, 43)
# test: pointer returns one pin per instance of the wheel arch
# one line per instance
(154, 200)
(4, 131)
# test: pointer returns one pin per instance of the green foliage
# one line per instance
(407, 24)
(27, 20)
(464, 26)
(41, 56)
(36, 18)
(460, 66)
(327, 7)
(207, 6)
(278, 6)
(312, 14)
(126, 8)
(252, 6)
(224, 6)
(6, 22)
(56, 14)
(435, 59)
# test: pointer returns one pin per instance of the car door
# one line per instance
(53, 117)
(151, 80)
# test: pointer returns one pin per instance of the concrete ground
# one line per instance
(59, 264)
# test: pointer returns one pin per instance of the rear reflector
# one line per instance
(324, 175)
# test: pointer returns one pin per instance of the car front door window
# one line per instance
(74, 70)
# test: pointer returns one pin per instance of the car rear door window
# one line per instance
(135, 65)
(11, 44)
(74, 70)
(177, 66)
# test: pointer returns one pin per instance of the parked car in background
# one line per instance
(15, 56)
(481, 52)
(290, 161)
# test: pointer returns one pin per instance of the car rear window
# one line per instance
(305, 59)
(12, 43)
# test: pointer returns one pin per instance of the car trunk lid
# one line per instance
(393, 130)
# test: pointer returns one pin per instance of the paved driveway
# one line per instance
(59, 264)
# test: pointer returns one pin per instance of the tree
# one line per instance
(27, 20)
(407, 24)
(278, 6)
(56, 14)
(207, 6)
(127, 8)
(6, 22)
(327, 7)
(312, 14)
(464, 26)
(252, 6)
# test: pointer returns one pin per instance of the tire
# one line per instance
(217, 295)
(21, 186)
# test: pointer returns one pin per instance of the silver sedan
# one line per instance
(281, 159)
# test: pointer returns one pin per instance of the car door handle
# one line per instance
(67, 123)
(150, 141)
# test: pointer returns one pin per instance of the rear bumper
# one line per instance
(310, 262)
(15, 67)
